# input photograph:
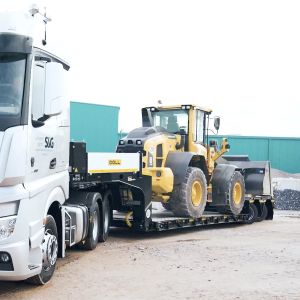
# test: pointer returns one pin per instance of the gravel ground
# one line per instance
(286, 190)
(258, 261)
(287, 199)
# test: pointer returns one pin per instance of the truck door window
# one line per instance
(199, 127)
(38, 91)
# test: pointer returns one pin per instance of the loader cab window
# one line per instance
(199, 126)
(174, 121)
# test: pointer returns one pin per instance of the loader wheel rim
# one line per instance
(197, 193)
(237, 193)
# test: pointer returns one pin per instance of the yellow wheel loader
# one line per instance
(184, 166)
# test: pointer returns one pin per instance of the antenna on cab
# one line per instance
(35, 10)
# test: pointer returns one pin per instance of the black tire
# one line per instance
(166, 205)
(91, 241)
(184, 201)
(236, 195)
(264, 213)
(50, 243)
(252, 217)
(105, 217)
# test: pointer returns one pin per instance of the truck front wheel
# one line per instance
(49, 250)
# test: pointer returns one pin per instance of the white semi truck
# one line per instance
(38, 216)
(53, 194)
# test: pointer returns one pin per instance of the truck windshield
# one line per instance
(12, 75)
(174, 121)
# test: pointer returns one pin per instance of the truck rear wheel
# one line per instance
(49, 251)
(189, 197)
(105, 217)
(91, 241)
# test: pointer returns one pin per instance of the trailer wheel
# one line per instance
(49, 251)
(91, 241)
(264, 213)
(252, 214)
(235, 195)
(105, 217)
(189, 198)
(166, 205)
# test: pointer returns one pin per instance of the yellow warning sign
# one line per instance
(114, 162)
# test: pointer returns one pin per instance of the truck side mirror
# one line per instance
(54, 89)
(217, 123)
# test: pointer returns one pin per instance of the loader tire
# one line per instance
(253, 212)
(189, 197)
(235, 195)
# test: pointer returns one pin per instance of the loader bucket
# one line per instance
(257, 175)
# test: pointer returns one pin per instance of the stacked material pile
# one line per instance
(286, 190)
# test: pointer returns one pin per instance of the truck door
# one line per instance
(48, 139)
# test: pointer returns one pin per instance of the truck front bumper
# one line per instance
(19, 256)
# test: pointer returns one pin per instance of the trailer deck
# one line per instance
(163, 219)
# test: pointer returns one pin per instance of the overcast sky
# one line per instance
(240, 58)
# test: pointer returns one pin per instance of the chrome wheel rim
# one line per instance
(49, 250)
(95, 225)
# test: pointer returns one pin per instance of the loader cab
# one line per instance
(189, 121)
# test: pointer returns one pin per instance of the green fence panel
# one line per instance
(95, 124)
(283, 153)
(255, 148)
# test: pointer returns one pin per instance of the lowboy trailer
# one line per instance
(130, 196)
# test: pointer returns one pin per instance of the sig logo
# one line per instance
(49, 142)
(114, 162)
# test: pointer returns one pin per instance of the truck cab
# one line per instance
(34, 150)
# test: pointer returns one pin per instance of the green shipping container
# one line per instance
(95, 124)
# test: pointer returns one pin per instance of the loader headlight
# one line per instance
(7, 226)
(121, 142)
(138, 142)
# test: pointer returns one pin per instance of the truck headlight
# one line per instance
(7, 226)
